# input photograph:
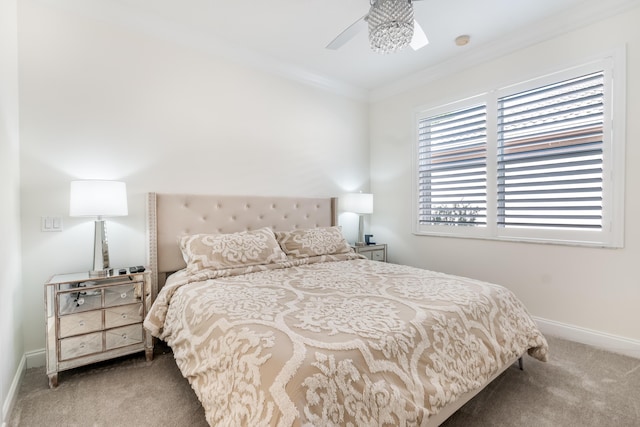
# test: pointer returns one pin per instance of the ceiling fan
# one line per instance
(391, 27)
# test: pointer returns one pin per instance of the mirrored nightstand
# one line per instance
(91, 319)
(377, 252)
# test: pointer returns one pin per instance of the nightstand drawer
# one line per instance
(120, 337)
(377, 252)
(81, 323)
(120, 295)
(80, 346)
(123, 315)
(79, 301)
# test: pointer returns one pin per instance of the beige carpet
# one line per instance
(579, 386)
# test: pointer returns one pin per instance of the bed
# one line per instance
(275, 321)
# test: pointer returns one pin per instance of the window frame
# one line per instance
(612, 232)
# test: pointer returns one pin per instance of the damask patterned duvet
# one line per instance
(337, 340)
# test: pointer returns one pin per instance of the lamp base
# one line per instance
(100, 251)
(360, 241)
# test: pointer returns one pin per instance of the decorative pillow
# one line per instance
(313, 242)
(222, 251)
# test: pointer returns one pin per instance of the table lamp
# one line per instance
(362, 204)
(98, 199)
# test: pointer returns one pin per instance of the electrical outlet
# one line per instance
(50, 223)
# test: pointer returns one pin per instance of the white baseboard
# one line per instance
(10, 401)
(36, 358)
(612, 343)
(31, 359)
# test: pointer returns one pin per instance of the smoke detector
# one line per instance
(462, 40)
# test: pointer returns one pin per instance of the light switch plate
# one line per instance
(50, 223)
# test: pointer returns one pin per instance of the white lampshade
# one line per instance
(98, 198)
(360, 203)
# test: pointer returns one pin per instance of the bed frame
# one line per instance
(172, 215)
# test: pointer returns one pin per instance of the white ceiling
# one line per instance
(289, 36)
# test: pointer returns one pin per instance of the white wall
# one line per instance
(593, 289)
(100, 100)
(11, 343)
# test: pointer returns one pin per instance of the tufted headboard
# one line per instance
(172, 215)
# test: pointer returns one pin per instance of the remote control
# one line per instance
(122, 271)
(140, 269)
(133, 269)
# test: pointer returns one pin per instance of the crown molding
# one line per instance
(138, 21)
(591, 12)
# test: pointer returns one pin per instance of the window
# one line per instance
(452, 171)
(539, 161)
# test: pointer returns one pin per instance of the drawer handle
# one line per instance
(81, 323)
(124, 336)
(124, 316)
(80, 301)
(82, 345)
(123, 295)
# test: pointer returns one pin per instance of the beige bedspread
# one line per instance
(337, 340)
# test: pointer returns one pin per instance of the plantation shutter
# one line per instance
(550, 155)
(452, 168)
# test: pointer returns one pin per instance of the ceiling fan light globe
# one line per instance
(390, 37)
(390, 25)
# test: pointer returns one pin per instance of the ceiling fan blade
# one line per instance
(419, 39)
(348, 34)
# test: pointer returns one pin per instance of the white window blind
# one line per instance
(550, 148)
(452, 161)
(538, 161)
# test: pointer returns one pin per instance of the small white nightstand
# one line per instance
(91, 319)
(376, 252)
